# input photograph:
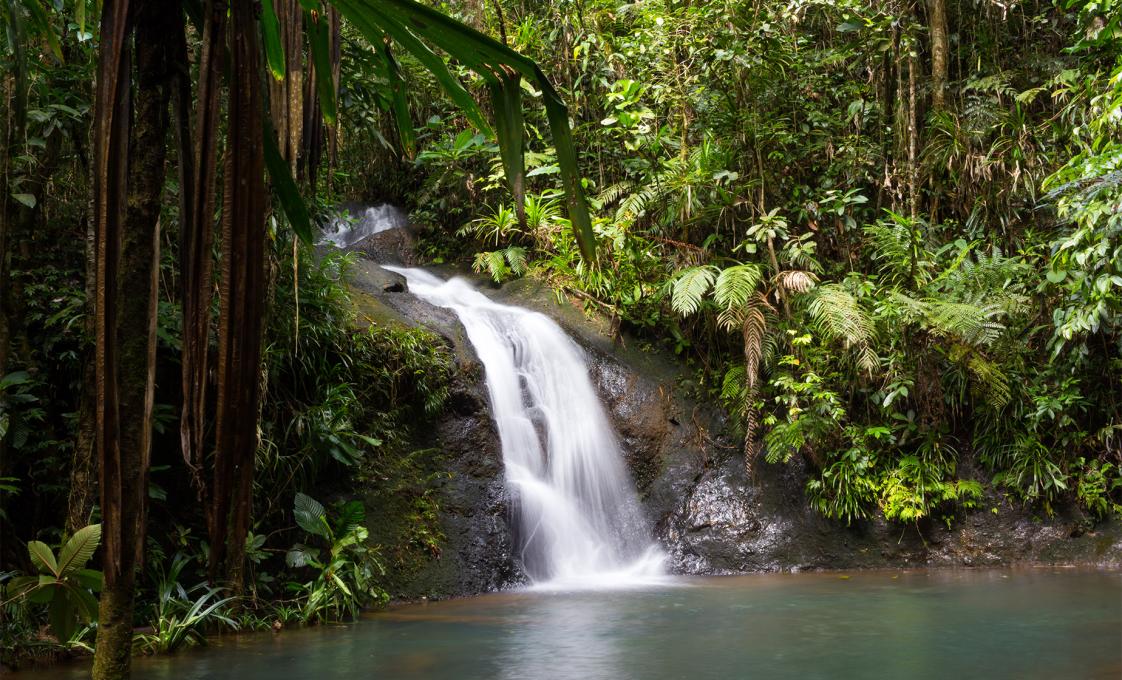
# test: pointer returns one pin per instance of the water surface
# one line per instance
(1030, 623)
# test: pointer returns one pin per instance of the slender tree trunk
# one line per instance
(286, 97)
(197, 239)
(128, 189)
(937, 30)
(116, 476)
(242, 300)
(8, 142)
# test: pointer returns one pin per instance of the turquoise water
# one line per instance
(1031, 623)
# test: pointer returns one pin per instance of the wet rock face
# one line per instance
(478, 552)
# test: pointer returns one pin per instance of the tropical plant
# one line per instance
(182, 620)
(64, 583)
(750, 302)
(345, 570)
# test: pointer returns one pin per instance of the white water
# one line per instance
(346, 229)
(578, 518)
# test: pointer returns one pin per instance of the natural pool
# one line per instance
(1024, 623)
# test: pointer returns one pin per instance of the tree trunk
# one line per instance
(242, 300)
(6, 154)
(197, 239)
(286, 97)
(937, 31)
(127, 197)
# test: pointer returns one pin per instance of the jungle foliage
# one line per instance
(885, 234)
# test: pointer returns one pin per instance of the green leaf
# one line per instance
(20, 586)
(26, 199)
(506, 100)
(45, 591)
(339, 582)
(91, 579)
(62, 616)
(351, 516)
(43, 25)
(310, 515)
(493, 61)
(270, 30)
(300, 556)
(79, 549)
(689, 289)
(318, 39)
(14, 378)
(736, 284)
(400, 103)
(372, 23)
(42, 557)
(86, 603)
(288, 194)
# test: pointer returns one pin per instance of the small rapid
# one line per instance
(345, 228)
(578, 521)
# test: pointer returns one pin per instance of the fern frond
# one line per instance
(732, 388)
(973, 324)
(690, 287)
(754, 332)
(736, 284)
(991, 381)
(795, 280)
(615, 192)
(892, 247)
(731, 318)
(492, 262)
(516, 257)
(637, 203)
(838, 316)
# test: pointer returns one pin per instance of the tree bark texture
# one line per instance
(129, 180)
(197, 239)
(937, 32)
(242, 300)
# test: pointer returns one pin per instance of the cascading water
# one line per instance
(346, 229)
(578, 518)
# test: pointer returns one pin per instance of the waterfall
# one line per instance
(345, 229)
(578, 521)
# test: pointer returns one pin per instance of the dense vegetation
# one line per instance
(886, 236)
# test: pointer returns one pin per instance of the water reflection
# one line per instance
(1000, 624)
